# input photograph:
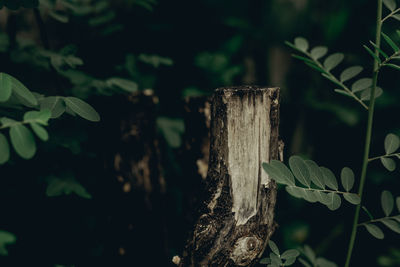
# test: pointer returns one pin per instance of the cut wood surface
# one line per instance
(237, 218)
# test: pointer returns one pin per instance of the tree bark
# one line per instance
(237, 218)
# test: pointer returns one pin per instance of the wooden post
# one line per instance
(237, 218)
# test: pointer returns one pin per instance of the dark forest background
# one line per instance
(126, 188)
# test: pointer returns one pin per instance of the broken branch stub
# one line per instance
(237, 217)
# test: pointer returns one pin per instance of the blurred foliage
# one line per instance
(96, 49)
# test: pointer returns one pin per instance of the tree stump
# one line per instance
(237, 218)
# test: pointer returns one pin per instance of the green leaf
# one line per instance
(291, 253)
(387, 202)
(7, 122)
(392, 225)
(398, 203)
(5, 87)
(366, 94)
(329, 178)
(390, 42)
(361, 84)
(39, 131)
(20, 90)
(390, 4)
(275, 259)
(82, 108)
(124, 84)
(372, 54)
(333, 60)
(322, 197)
(295, 191)
(375, 231)
(347, 177)
(41, 116)
(309, 195)
(265, 261)
(65, 186)
(389, 164)
(4, 149)
(273, 247)
(172, 129)
(318, 52)
(22, 140)
(352, 198)
(315, 174)
(350, 73)
(6, 238)
(394, 66)
(300, 170)
(289, 261)
(392, 143)
(55, 104)
(379, 50)
(309, 253)
(334, 201)
(284, 172)
(273, 173)
(301, 44)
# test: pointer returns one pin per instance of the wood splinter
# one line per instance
(237, 218)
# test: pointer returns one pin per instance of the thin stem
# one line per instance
(391, 14)
(384, 156)
(388, 59)
(323, 190)
(368, 133)
(379, 220)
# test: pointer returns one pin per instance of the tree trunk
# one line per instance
(237, 218)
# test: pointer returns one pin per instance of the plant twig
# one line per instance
(384, 156)
(368, 132)
(379, 220)
(391, 14)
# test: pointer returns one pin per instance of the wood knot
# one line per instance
(246, 250)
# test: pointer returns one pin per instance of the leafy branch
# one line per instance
(391, 222)
(316, 180)
(391, 144)
(301, 45)
(276, 259)
(391, 5)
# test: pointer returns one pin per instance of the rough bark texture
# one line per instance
(137, 192)
(237, 218)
